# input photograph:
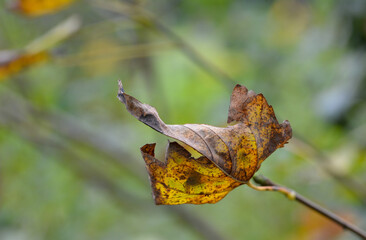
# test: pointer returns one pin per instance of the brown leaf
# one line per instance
(238, 150)
(253, 110)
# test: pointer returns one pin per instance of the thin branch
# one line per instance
(268, 185)
(290, 194)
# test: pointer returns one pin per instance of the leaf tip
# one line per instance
(121, 92)
(237, 86)
(157, 199)
(148, 149)
(287, 129)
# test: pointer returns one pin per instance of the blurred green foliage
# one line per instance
(70, 162)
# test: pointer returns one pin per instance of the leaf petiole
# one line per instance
(290, 194)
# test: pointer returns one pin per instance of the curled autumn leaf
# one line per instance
(237, 150)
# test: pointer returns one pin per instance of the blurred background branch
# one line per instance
(148, 20)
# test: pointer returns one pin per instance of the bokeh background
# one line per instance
(70, 162)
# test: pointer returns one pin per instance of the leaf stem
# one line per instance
(291, 194)
(268, 185)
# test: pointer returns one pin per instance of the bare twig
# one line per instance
(289, 193)
(268, 185)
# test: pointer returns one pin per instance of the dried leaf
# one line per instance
(183, 179)
(238, 150)
(39, 7)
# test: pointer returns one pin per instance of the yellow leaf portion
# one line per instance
(15, 62)
(265, 126)
(242, 146)
(40, 7)
(184, 179)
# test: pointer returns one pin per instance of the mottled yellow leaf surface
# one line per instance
(237, 150)
(253, 111)
(13, 62)
(184, 179)
(39, 7)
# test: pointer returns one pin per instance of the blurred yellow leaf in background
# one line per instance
(13, 62)
(40, 7)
